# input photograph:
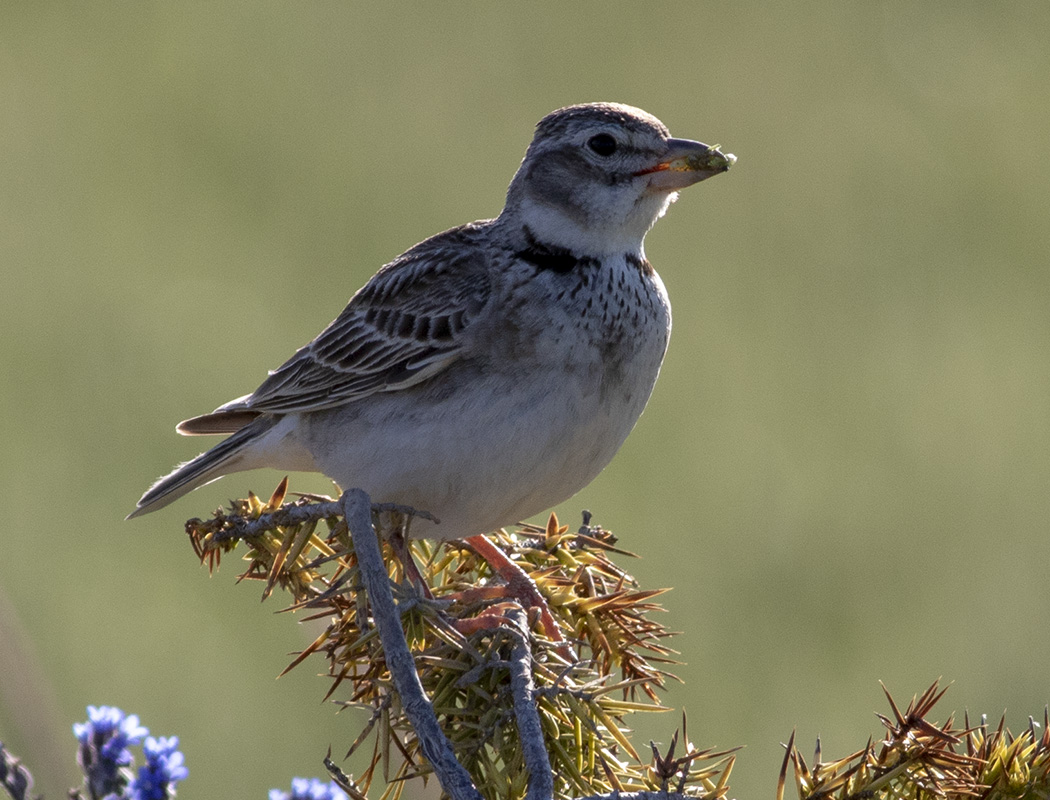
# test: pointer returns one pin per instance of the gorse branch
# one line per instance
(476, 667)
(458, 684)
(919, 759)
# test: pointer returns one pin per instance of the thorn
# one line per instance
(782, 779)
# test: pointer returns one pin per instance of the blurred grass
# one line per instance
(850, 438)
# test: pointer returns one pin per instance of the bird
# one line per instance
(493, 370)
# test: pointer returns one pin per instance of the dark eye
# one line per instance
(602, 144)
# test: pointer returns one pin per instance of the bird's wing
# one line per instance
(408, 323)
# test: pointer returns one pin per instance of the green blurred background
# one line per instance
(843, 472)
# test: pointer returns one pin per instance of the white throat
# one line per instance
(615, 232)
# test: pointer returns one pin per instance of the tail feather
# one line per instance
(224, 458)
(217, 422)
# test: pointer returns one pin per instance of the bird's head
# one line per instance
(597, 176)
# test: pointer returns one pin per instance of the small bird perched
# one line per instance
(491, 371)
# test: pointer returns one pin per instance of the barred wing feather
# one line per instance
(407, 324)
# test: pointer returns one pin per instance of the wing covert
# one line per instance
(404, 326)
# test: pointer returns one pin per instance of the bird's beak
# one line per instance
(686, 162)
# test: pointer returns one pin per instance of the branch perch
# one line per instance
(435, 745)
(530, 729)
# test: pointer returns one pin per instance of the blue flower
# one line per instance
(309, 789)
(103, 754)
(164, 768)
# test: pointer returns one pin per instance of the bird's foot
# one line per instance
(519, 587)
(403, 553)
(493, 617)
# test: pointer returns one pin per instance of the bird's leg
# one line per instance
(398, 538)
(519, 586)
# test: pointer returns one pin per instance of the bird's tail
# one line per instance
(226, 457)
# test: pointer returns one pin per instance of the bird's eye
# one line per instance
(603, 144)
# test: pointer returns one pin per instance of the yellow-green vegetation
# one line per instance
(618, 663)
(921, 759)
(616, 667)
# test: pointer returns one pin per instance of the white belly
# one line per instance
(485, 446)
